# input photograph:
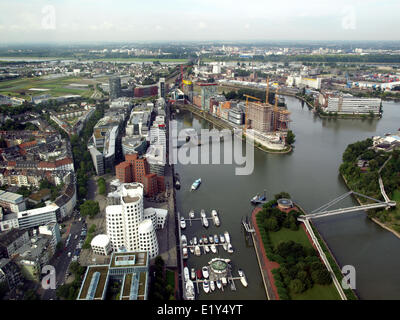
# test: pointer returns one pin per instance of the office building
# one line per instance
(130, 268)
(115, 87)
(101, 245)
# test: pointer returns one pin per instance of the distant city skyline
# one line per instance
(37, 21)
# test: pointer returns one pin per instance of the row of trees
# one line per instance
(101, 185)
(160, 289)
(70, 291)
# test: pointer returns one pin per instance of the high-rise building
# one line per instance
(260, 116)
(161, 88)
(115, 87)
(126, 225)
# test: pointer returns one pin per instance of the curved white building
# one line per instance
(101, 245)
(127, 226)
(148, 238)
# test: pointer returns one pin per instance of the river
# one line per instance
(310, 175)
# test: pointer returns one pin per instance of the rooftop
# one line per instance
(128, 259)
(100, 287)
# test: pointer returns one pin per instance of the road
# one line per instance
(61, 261)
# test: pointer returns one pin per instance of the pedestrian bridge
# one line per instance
(324, 212)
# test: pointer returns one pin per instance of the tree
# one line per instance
(321, 276)
(290, 138)
(89, 208)
(271, 224)
(296, 286)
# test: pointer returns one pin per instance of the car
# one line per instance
(69, 254)
(80, 219)
(76, 237)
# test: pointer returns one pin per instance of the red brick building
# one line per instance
(136, 169)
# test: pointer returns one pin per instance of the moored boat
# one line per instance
(221, 238)
(191, 249)
(224, 281)
(202, 213)
(211, 239)
(216, 221)
(199, 274)
(227, 237)
(204, 221)
(189, 290)
(230, 248)
(186, 273)
(219, 284)
(243, 279)
(185, 253)
(225, 246)
(205, 239)
(206, 286)
(216, 239)
(183, 223)
(214, 248)
(191, 214)
(193, 274)
(194, 240)
(207, 248)
(197, 251)
(212, 285)
(205, 273)
(183, 240)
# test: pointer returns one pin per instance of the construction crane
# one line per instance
(247, 109)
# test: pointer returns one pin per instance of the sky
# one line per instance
(39, 21)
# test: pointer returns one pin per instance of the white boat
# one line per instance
(206, 286)
(197, 251)
(224, 282)
(196, 184)
(190, 295)
(195, 240)
(185, 253)
(216, 239)
(204, 271)
(221, 238)
(207, 248)
(193, 273)
(243, 279)
(183, 240)
(214, 213)
(230, 248)
(204, 249)
(191, 242)
(201, 241)
(183, 223)
(204, 221)
(214, 248)
(225, 246)
(227, 237)
(191, 214)
(211, 239)
(191, 249)
(203, 213)
(219, 284)
(216, 221)
(205, 240)
(212, 285)
(186, 273)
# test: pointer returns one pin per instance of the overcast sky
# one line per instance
(154, 20)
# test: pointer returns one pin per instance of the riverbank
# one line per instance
(266, 265)
(373, 219)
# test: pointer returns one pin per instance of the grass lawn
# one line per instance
(284, 234)
(318, 292)
(396, 195)
(57, 87)
(170, 278)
